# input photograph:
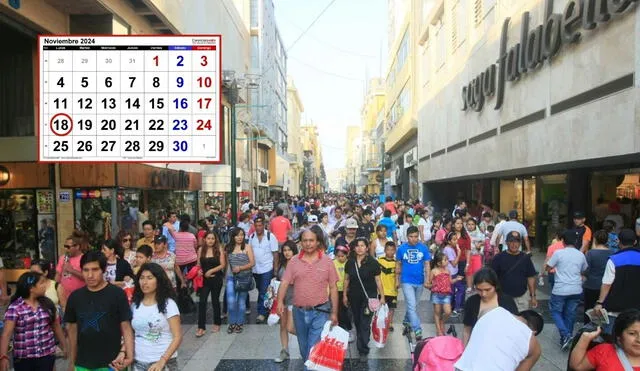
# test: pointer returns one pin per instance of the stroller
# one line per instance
(437, 353)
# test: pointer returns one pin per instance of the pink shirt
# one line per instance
(559, 245)
(69, 282)
(310, 280)
(441, 234)
(186, 248)
(280, 227)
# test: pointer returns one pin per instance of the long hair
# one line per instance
(317, 230)
(47, 268)
(463, 232)
(205, 248)
(26, 282)
(232, 240)
(294, 249)
(121, 235)
(164, 289)
(115, 246)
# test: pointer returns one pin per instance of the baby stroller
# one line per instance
(437, 353)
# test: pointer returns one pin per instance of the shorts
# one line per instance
(171, 365)
(437, 298)
(392, 301)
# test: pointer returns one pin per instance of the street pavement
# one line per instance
(256, 347)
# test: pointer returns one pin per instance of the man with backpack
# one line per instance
(265, 251)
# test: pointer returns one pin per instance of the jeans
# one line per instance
(457, 295)
(171, 365)
(412, 295)
(563, 311)
(213, 287)
(262, 284)
(552, 280)
(309, 325)
(362, 322)
(236, 302)
(45, 363)
(344, 320)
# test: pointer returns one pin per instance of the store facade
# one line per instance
(107, 198)
(404, 171)
(550, 128)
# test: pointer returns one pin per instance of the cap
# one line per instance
(344, 249)
(352, 224)
(570, 237)
(513, 214)
(513, 236)
(160, 239)
(312, 218)
(578, 215)
(627, 237)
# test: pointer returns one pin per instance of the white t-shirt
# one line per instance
(499, 342)
(263, 251)
(426, 231)
(152, 331)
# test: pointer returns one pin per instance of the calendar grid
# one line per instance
(146, 103)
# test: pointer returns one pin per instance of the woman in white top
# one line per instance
(424, 226)
(156, 321)
(376, 248)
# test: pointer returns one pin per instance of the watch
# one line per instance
(599, 302)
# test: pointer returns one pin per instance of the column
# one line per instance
(108, 117)
(206, 140)
(58, 103)
(85, 140)
(180, 102)
(156, 96)
(132, 100)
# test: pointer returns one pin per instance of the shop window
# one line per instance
(19, 228)
(93, 213)
(161, 202)
(520, 195)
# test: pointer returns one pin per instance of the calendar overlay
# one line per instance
(130, 98)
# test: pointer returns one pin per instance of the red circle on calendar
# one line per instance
(60, 124)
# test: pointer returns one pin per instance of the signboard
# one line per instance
(411, 157)
(129, 98)
(44, 201)
(64, 196)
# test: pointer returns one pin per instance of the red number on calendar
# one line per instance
(206, 82)
(204, 125)
(204, 102)
(156, 60)
(204, 61)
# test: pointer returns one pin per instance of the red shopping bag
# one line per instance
(328, 354)
(128, 290)
(380, 326)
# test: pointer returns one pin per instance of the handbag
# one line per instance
(243, 283)
(626, 365)
(372, 304)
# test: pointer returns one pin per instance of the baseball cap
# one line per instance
(344, 249)
(160, 239)
(513, 214)
(578, 215)
(352, 224)
(627, 237)
(312, 218)
(513, 237)
(570, 237)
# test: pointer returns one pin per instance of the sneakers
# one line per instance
(247, 311)
(455, 314)
(566, 342)
(284, 355)
(468, 290)
(418, 333)
(260, 319)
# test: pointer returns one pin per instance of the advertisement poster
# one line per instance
(44, 200)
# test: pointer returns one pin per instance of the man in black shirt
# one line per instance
(97, 316)
(366, 228)
(516, 272)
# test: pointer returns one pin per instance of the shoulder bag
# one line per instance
(626, 365)
(372, 304)
(243, 282)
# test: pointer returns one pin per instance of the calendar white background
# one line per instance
(130, 98)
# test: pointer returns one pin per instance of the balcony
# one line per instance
(373, 165)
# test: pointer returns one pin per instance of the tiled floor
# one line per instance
(256, 347)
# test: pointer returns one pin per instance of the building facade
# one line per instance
(373, 136)
(314, 177)
(532, 106)
(354, 156)
(295, 109)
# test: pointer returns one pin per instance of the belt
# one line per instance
(316, 307)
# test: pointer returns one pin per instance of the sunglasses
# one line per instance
(68, 246)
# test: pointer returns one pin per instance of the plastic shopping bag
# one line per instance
(273, 318)
(128, 290)
(380, 326)
(271, 294)
(328, 354)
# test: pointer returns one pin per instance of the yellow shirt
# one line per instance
(388, 276)
(144, 241)
(340, 270)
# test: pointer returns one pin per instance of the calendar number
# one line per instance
(84, 82)
(85, 124)
(180, 146)
(180, 82)
(61, 82)
(202, 125)
(61, 124)
(155, 59)
(85, 103)
(181, 103)
(133, 103)
(156, 124)
(156, 82)
(204, 103)
(131, 124)
(108, 125)
(107, 145)
(156, 146)
(203, 60)
(157, 103)
(132, 79)
(131, 146)
(60, 102)
(60, 146)
(109, 103)
(180, 61)
(108, 60)
(85, 146)
(204, 82)
(60, 60)
(180, 125)
(108, 82)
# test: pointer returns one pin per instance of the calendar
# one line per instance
(130, 98)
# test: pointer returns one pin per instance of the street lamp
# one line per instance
(231, 87)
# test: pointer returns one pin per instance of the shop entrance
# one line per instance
(520, 194)
(615, 196)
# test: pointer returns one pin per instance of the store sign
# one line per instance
(91, 193)
(537, 45)
(170, 179)
(411, 157)
(64, 196)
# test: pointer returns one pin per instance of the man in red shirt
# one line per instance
(280, 227)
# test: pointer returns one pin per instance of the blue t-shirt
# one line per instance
(390, 224)
(413, 259)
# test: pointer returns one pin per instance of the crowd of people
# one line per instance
(336, 259)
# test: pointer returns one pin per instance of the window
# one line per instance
(403, 52)
(255, 52)
(254, 16)
(481, 8)
(440, 46)
(458, 24)
(425, 63)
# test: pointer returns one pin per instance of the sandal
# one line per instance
(231, 329)
(238, 329)
(215, 329)
(200, 332)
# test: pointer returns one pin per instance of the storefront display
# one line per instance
(520, 195)
(93, 213)
(18, 228)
